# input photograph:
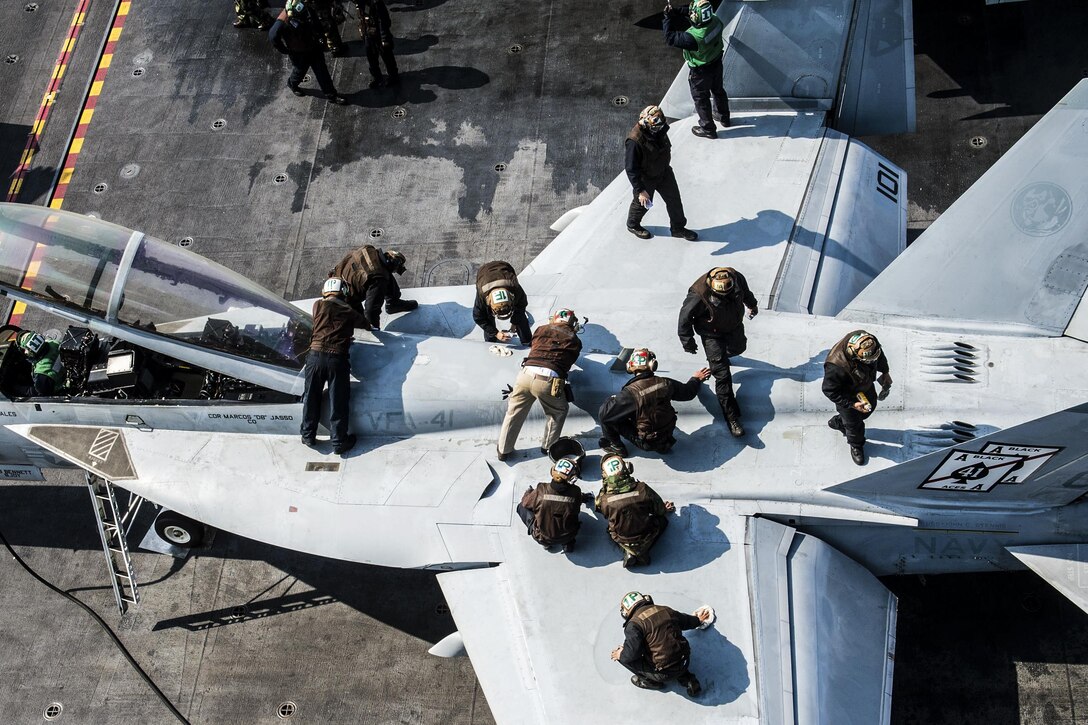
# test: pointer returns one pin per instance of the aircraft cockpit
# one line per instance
(142, 306)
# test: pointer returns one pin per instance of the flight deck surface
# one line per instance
(509, 115)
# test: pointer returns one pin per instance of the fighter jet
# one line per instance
(183, 380)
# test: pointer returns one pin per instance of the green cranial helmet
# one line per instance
(30, 342)
(701, 12)
(631, 600)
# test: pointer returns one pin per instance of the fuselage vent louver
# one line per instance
(955, 362)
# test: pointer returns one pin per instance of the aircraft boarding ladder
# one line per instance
(113, 528)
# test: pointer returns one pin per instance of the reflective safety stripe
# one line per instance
(645, 392)
(495, 284)
(560, 499)
(621, 496)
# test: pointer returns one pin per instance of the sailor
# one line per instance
(498, 295)
(702, 45)
(369, 271)
(377, 31)
(636, 514)
(47, 372)
(554, 348)
(654, 647)
(852, 367)
(647, 157)
(334, 325)
(642, 411)
(714, 308)
(251, 14)
(329, 15)
(296, 34)
(550, 511)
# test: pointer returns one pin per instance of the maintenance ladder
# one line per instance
(113, 527)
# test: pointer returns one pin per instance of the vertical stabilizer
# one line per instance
(1011, 255)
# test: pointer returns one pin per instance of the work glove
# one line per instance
(884, 392)
(587, 499)
(691, 347)
(506, 391)
(752, 312)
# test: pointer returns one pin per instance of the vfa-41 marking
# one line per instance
(997, 463)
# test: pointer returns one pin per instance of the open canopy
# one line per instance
(102, 270)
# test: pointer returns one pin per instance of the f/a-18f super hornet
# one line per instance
(182, 385)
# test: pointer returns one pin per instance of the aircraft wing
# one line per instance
(1063, 566)
(1010, 255)
(803, 634)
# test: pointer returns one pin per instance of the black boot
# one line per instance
(646, 684)
(691, 682)
(735, 428)
(640, 231)
(614, 448)
(345, 445)
(394, 306)
(857, 455)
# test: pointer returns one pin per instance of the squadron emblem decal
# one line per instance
(1041, 209)
(997, 463)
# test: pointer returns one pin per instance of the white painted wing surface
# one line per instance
(1063, 566)
(803, 634)
(1010, 256)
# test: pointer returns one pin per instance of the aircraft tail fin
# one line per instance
(1011, 255)
(1039, 464)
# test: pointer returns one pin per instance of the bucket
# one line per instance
(567, 448)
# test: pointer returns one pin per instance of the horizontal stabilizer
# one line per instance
(1010, 256)
(1038, 464)
(1063, 566)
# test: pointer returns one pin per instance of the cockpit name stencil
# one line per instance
(970, 471)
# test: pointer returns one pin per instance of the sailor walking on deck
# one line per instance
(647, 160)
(714, 309)
(296, 34)
(852, 367)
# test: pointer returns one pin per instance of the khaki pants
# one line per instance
(527, 388)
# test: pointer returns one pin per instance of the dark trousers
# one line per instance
(853, 420)
(627, 429)
(706, 83)
(374, 48)
(645, 669)
(670, 192)
(718, 351)
(322, 368)
(302, 62)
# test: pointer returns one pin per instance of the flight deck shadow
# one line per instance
(413, 90)
(691, 541)
(719, 664)
(712, 446)
(963, 641)
(355, 48)
(769, 227)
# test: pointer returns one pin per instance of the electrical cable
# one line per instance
(101, 623)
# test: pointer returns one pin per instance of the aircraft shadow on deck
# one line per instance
(995, 54)
(54, 518)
